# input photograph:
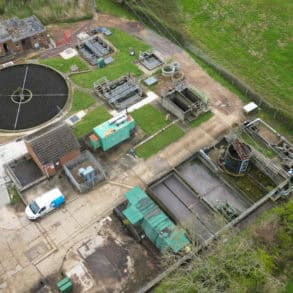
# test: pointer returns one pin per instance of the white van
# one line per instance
(45, 203)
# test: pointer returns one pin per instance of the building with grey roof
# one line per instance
(53, 149)
(17, 35)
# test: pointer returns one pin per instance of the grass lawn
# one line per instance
(48, 11)
(92, 119)
(258, 146)
(226, 268)
(202, 118)
(123, 62)
(81, 101)
(14, 195)
(149, 119)
(113, 8)
(160, 141)
(64, 65)
(250, 38)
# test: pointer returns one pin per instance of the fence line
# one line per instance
(277, 114)
(241, 86)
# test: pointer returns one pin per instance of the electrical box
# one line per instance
(112, 132)
(65, 285)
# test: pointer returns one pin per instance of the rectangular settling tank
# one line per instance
(183, 205)
(210, 187)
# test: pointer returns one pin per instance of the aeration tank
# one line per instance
(236, 158)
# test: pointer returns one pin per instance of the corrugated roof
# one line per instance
(16, 29)
(155, 223)
(113, 125)
(53, 144)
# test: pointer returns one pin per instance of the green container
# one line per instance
(114, 131)
(143, 211)
(101, 63)
(65, 285)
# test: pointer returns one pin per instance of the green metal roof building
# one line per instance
(112, 132)
(142, 210)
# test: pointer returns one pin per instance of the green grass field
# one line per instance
(123, 62)
(201, 119)
(160, 141)
(113, 8)
(149, 119)
(258, 258)
(92, 119)
(48, 11)
(64, 65)
(14, 195)
(251, 38)
(81, 101)
(258, 146)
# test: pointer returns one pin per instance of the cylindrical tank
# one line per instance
(168, 70)
(236, 158)
(176, 66)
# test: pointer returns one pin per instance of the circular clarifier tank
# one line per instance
(30, 95)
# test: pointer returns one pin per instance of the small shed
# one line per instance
(150, 81)
(250, 107)
(53, 149)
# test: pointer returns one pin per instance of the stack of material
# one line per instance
(157, 226)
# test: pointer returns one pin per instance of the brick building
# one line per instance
(18, 35)
(52, 149)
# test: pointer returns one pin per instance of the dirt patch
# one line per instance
(164, 84)
(112, 261)
(267, 134)
(266, 233)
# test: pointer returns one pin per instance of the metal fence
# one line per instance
(72, 165)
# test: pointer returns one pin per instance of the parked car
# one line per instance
(44, 204)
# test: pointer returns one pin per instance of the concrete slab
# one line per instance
(36, 251)
(68, 53)
(8, 219)
(81, 277)
(9, 152)
(60, 225)
(26, 278)
(60, 182)
(4, 196)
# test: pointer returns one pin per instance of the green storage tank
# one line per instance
(112, 132)
(101, 63)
